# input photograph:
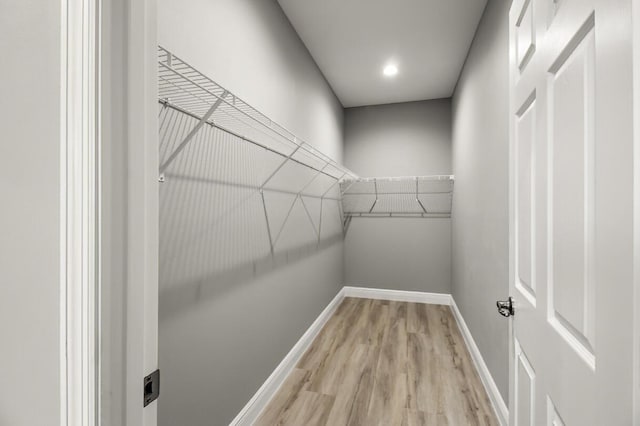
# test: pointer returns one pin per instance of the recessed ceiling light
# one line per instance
(390, 70)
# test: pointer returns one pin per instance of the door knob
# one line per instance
(505, 307)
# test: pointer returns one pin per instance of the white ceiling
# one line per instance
(352, 40)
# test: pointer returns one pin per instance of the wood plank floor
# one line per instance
(377, 362)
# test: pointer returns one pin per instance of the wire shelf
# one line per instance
(240, 184)
(239, 191)
(185, 89)
(414, 196)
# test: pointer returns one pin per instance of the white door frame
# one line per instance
(79, 232)
(109, 211)
(636, 206)
(79, 203)
(129, 213)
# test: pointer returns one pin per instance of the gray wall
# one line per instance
(405, 139)
(480, 221)
(229, 313)
(30, 213)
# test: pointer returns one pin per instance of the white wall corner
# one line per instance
(499, 406)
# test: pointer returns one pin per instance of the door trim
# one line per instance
(130, 210)
(636, 208)
(109, 211)
(79, 217)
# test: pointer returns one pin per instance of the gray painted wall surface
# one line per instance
(480, 221)
(228, 312)
(30, 213)
(399, 140)
(407, 139)
(399, 254)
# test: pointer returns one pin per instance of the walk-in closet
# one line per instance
(305, 245)
(320, 213)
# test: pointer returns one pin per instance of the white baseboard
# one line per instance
(398, 295)
(499, 406)
(269, 388)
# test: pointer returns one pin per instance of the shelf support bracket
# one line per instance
(285, 221)
(193, 132)
(266, 217)
(332, 185)
(348, 187)
(347, 221)
(274, 241)
(309, 216)
(418, 198)
(299, 195)
(285, 161)
(375, 186)
(318, 173)
(324, 194)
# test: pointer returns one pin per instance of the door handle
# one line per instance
(505, 307)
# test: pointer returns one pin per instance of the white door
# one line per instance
(571, 220)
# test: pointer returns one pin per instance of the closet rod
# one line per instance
(168, 104)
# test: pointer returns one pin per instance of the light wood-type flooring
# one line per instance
(378, 362)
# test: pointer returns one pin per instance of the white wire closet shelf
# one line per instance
(414, 196)
(185, 89)
(239, 191)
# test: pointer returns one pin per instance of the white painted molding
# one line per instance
(636, 210)
(499, 406)
(79, 218)
(270, 387)
(398, 295)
